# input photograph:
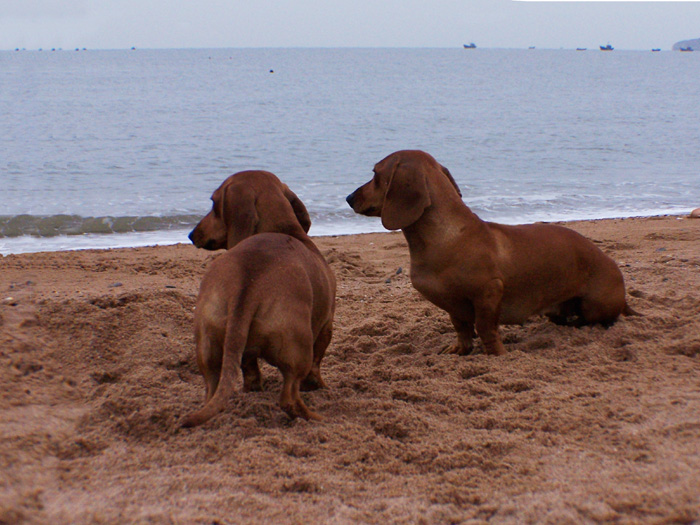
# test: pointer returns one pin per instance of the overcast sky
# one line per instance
(108, 24)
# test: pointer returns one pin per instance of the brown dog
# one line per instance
(482, 273)
(270, 296)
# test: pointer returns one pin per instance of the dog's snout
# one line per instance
(350, 199)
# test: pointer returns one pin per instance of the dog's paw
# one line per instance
(314, 416)
(252, 386)
(312, 382)
(495, 348)
(189, 421)
(458, 349)
(297, 409)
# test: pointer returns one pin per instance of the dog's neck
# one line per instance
(289, 226)
(292, 228)
(444, 222)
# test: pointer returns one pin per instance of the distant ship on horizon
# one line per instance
(470, 46)
(687, 45)
(607, 48)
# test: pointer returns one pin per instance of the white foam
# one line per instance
(29, 244)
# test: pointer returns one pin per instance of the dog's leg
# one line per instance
(567, 313)
(603, 299)
(209, 356)
(296, 359)
(488, 310)
(600, 312)
(465, 334)
(313, 380)
(252, 378)
(605, 306)
(290, 400)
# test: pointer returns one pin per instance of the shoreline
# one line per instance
(95, 241)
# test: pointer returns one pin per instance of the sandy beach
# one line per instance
(587, 425)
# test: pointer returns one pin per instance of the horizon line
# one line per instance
(458, 46)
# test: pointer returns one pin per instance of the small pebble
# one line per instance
(115, 285)
(9, 301)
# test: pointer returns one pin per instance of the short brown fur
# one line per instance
(270, 296)
(485, 274)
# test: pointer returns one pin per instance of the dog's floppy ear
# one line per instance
(452, 180)
(239, 213)
(406, 197)
(298, 207)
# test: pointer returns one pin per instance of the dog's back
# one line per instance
(266, 276)
(546, 264)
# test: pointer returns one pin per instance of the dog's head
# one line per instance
(247, 203)
(398, 192)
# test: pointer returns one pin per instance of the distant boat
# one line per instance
(607, 48)
(655, 50)
(687, 48)
(580, 49)
(531, 47)
(470, 46)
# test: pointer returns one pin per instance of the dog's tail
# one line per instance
(237, 328)
(629, 311)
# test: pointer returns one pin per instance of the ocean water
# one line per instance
(124, 148)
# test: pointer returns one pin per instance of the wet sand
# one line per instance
(572, 425)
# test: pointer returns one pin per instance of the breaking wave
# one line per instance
(54, 225)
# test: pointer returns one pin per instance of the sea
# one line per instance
(102, 149)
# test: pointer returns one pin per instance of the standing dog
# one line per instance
(270, 296)
(482, 273)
